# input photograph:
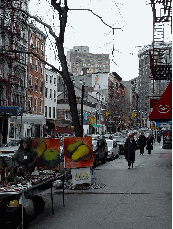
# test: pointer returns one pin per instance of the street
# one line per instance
(125, 198)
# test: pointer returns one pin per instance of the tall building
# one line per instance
(148, 87)
(79, 58)
(13, 62)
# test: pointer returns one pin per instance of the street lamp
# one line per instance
(83, 91)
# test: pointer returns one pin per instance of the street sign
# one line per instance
(85, 117)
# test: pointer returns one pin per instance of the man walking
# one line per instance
(142, 143)
(130, 147)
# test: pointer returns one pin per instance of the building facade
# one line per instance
(79, 58)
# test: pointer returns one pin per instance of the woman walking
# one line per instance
(130, 147)
(149, 144)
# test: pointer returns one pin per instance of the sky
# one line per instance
(132, 18)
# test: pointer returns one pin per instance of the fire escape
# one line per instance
(160, 68)
(9, 32)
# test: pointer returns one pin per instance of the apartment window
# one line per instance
(67, 115)
(30, 80)
(41, 68)
(37, 45)
(42, 49)
(50, 79)
(53, 112)
(36, 84)
(46, 92)
(46, 111)
(50, 94)
(41, 105)
(35, 105)
(41, 86)
(31, 62)
(31, 40)
(46, 78)
(29, 104)
(55, 81)
(36, 65)
(54, 94)
(49, 112)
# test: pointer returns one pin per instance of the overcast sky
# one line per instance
(134, 17)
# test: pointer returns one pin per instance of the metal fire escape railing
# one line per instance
(160, 68)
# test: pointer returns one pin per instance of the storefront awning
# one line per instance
(32, 119)
(10, 111)
(163, 109)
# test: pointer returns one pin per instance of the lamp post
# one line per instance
(83, 91)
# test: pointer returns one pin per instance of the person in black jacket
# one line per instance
(142, 143)
(25, 159)
(150, 143)
(130, 147)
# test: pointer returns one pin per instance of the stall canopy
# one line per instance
(163, 109)
(10, 111)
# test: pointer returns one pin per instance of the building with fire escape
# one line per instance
(13, 62)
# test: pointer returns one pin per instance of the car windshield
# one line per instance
(13, 143)
(109, 143)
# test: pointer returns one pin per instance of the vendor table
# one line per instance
(8, 195)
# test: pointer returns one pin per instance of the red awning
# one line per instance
(163, 109)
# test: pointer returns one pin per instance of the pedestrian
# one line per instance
(149, 144)
(130, 147)
(142, 143)
(158, 138)
(25, 159)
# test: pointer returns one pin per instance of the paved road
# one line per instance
(139, 198)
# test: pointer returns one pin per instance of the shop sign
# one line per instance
(92, 120)
(85, 117)
(81, 175)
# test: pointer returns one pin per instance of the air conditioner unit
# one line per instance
(31, 87)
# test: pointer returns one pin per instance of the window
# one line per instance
(49, 112)
(53, 112)
(54, 94)
(36, 84)
(30, 80)
(50, 79)
(41, 68)
(31, 40)
(50, 94)
(46, 92)
(42, 49)
(67, 115)
(29, 104)
(36, 65)
(41, 86)
(46, 78)
(30, 62)
(35, 105)
(37, 45)
(46, 111)
(41, 105)
(55, 81)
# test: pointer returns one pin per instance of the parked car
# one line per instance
(120, 144)
(112, 149)
(10, 147)
(100, 151)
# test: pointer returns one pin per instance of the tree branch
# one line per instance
(98, 17)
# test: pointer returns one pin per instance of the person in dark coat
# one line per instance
(130, 147)
(158, 138)
(142, 143)
(149, 143)
(25, 159)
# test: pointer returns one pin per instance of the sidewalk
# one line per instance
(130, 199)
